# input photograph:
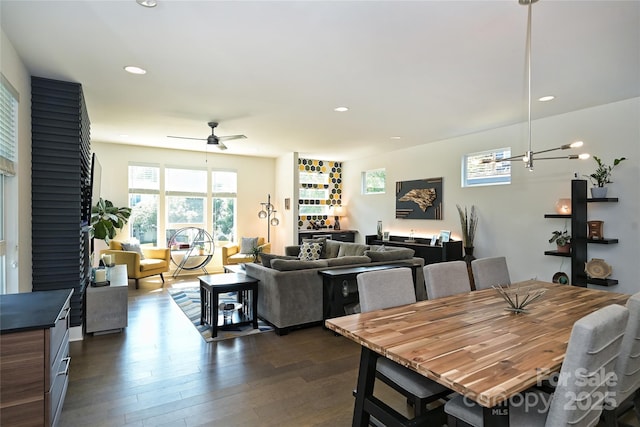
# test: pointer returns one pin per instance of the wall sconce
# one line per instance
(338, 211)
(267, 211)
(563, 206)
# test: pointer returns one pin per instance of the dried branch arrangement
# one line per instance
(519, 298)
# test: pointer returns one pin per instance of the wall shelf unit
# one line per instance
(579, 239)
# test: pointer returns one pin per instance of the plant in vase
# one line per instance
(468, 222)
(562, 239)
(107, 219)
(255, 253)
(602, 176)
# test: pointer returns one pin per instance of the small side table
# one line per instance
(106, 308)
(212, 286)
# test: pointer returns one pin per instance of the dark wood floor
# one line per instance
(160, 372)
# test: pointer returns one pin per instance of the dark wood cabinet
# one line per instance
(340, 235)
(579, 235)
(448, 251)
(34, 357)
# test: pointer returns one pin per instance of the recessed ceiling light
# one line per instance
(147, 3)
(546, 98)
(341, 109)
(396, 137)
(135, 70)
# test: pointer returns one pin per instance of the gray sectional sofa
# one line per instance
(290, 290)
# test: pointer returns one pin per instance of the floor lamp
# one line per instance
(267, 210)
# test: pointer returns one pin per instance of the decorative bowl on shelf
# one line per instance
(597, 268)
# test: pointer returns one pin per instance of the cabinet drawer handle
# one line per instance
(65, 314)
(67, 361)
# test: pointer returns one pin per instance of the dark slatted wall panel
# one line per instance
(61, 165)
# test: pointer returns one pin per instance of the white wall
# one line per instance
(511, 221)
(286, 175)
(255, 177)
(18, 209)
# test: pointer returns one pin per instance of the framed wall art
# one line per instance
(419, 199)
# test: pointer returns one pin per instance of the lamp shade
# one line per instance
(340, 210)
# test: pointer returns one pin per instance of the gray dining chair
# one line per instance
(491, 271)
(391, 288)
(592, 352)
(446, 278)
(624, 391)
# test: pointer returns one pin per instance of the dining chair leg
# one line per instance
(136, 283)
(162, 277)
(609, 417)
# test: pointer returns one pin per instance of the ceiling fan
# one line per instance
(213, 139)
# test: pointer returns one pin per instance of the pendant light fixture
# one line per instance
(529, 156)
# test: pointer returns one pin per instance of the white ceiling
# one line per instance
(274, 71)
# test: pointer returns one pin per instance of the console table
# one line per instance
(339, 294)
(107, 306)
(448, 251)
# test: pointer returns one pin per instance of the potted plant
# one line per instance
(200, 250)
(107, 220)
(468, 222)
(601, 177)
(255, 253)
(562, 239)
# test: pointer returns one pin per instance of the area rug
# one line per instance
(188, 300)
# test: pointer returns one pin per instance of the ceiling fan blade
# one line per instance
(221, 146)
(186, 137)
(231, 137)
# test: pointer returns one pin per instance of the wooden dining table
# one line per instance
(471, 343)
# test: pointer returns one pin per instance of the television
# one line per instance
(96, 181)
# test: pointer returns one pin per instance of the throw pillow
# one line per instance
(322, 241)
(133, 247)
(352, 249)
(310, 251)
(247, 244)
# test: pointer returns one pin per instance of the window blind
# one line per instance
(8, 127)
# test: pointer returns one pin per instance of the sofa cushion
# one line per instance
(294, 264)
(348, 260)
(331, 248)
(310, 251)
(322, 241)
(267, 258)
(133, 247)
(390, 254)
(247, 244)
(352, 249)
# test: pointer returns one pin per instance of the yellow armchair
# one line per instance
(156, 260)
(231, 252)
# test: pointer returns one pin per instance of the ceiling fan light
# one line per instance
(147, 3)
(135, 70)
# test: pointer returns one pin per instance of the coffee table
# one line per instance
(211, 286)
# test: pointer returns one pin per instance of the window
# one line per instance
(183, 198)
(225, 192)
(314, 187)
(144, 191)
(8, 143)
(186, 194)
(485, 168)
(373, 181)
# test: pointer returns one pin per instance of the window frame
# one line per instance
(493, 172)
(365, 181)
